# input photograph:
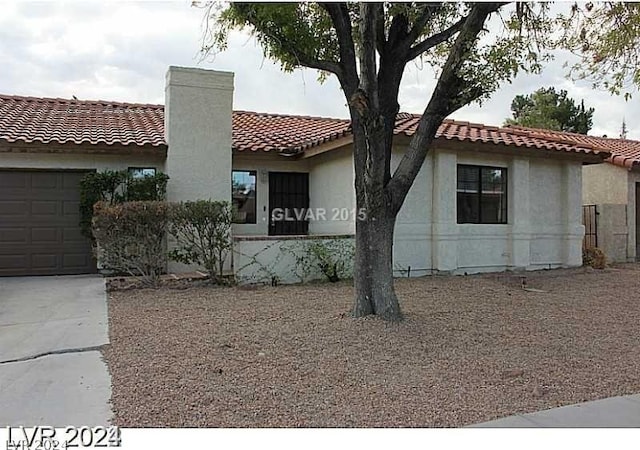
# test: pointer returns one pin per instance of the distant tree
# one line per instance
(551, 110)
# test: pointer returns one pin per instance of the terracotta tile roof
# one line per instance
(55, 120)
(288, 134)
(451, 130)
(624, 152)
(49, 120)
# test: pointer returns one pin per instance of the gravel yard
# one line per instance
(471, 349)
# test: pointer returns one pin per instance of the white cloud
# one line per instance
(121, 50)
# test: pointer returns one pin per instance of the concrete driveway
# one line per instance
(51, 370)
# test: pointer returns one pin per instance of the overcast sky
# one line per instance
(121, 50)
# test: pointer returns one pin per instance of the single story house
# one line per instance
(487, 198)
(610, 194)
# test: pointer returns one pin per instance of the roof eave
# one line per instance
(83, 148)
(327, 146)
(623, 161)
(586, 157)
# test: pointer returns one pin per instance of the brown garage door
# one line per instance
(39, 231)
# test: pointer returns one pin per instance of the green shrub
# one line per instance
(150, 188)
(98, 187)
(202, 230)
(114, 187)
(130, 238)
(594, 257)
(334, 258)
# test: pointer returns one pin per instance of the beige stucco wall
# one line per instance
(613, 231)
(633, 178)
(79, 161)
(613, 190)
(198, 105)
(332, 193)
(544, 218)
(604, 183)
(268, 259)
(412, 238)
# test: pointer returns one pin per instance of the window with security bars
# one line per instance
(482, 194)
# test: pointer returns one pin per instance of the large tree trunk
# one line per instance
(375, 223)
(375, 293)
(372, 119)
(372, 98)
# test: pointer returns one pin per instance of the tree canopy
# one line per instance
(327, 37)
(606, 38)
(552, 110)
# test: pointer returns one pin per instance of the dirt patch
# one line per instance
(471, 349)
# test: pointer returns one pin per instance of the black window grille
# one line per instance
(482, 194)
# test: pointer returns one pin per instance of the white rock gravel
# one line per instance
(471, 349)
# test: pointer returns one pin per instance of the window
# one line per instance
(482, 194)
(243, 186)
(141, 172)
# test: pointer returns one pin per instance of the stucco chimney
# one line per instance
(197, 123)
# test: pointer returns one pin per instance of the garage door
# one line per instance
(39, 231)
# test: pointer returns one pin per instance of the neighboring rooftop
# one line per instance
(62, 121)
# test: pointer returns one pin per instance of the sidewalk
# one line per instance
(614, 412)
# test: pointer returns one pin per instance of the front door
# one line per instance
(288, 203)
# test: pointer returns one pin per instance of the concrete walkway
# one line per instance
(51, 370)
(614, 412)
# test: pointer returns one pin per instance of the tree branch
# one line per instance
(428, 10)
(339, 14)
(368, 67)
(434, 40)
(319, 64)
(445, 99)
(379, 28)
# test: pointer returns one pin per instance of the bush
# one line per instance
(594, 257)
(150, 188)
(202, 230)
(334, 258)
(114, 187)
(98, 187)
(130, 238)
